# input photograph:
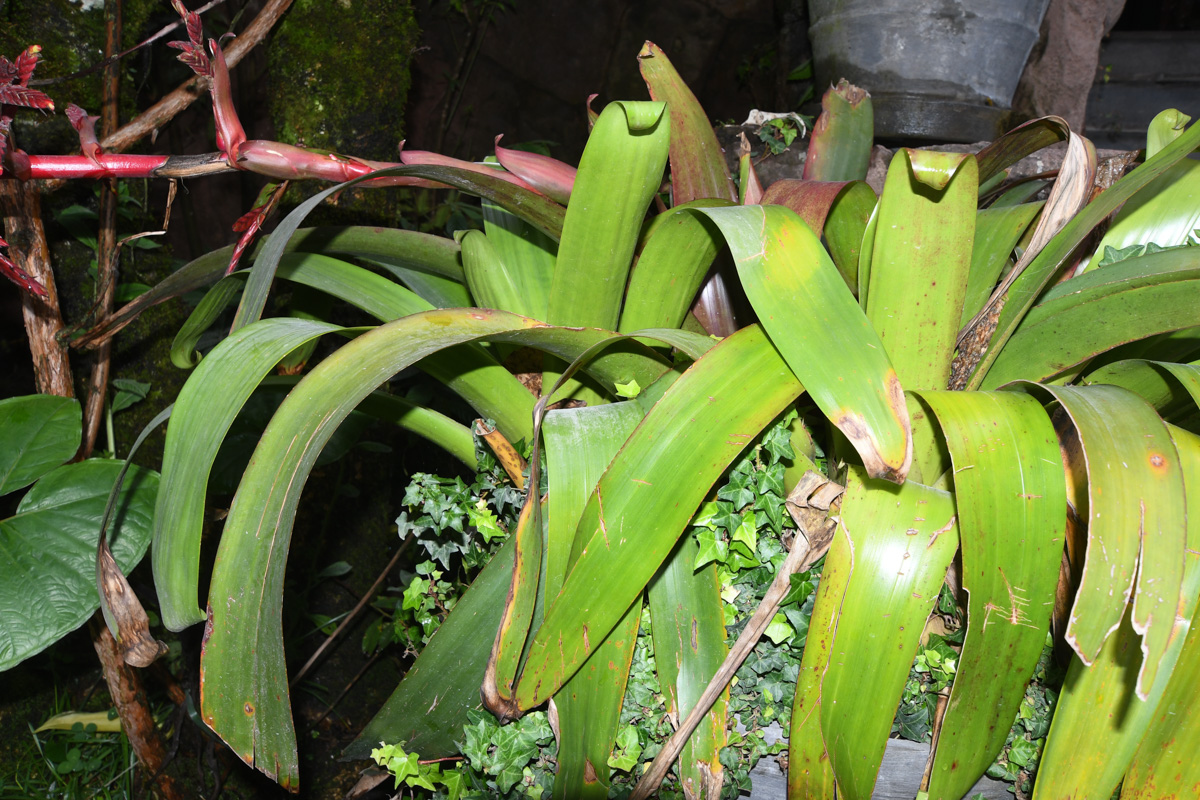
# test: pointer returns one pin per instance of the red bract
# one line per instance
(193, 50)
(19, 276)
(427, 158)
(86, 126)
(249, 224)
(230, 134)
(14, 89)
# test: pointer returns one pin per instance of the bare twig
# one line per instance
(366, 598)
(106, 241)
(809, 504)
(741, 649)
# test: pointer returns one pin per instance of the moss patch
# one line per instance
(339, 74)
(72, 39)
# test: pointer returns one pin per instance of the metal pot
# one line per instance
(940, 70)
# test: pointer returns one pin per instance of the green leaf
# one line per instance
(1099, 723)
(1136, 522)
(449, 669)
(1100, 310)
(846, 226)
(128, 392)
(1167, 211)
(493, 284)
(840, 148)
(921, 260)
(678, 251)
(1012, 508)
(205, 410)
(619, 173)
(689, 646)
(48, 551)
(628, 750)
(779, 631)
(529, 255)
(903, 538)
(580, 444)
(37, 433)
(244, 626)
(807, 310)
(659, 479)
(628, 390)
(468, 371)
(1026, 289)
(997, 231)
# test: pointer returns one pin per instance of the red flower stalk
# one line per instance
(549, 176)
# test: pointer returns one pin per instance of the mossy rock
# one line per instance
(340, 75)
(71, 35)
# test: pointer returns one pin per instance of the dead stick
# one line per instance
(43, 320)
(129, 696)
(106, 241)
(749, 637)
(165, 109)
(366, 598)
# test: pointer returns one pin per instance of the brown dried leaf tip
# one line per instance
(123, 612)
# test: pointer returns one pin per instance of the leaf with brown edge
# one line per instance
(123, 612)
(819, 329)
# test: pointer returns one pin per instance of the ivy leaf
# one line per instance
(712, 548)
(778, 440)
(414, 595)
(770, 480)
(726, 517)
(484, 520)
(739, 490)
(629, 390)
(800, 586)
(627, 751)
(453, 781)
(1022, 752)
(706, 516)
(128, 392)
(779, 631)
(747, 532)
(771, 505)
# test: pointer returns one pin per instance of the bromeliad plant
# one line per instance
(974, 407)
